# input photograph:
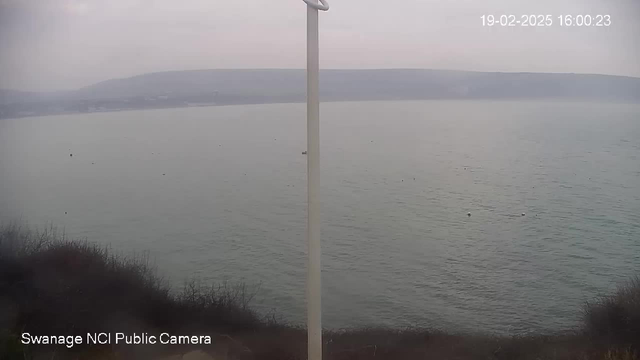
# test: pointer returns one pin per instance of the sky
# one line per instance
(67, 44)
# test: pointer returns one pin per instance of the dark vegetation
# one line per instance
(50, 285)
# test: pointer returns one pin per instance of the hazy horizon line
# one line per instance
(303, 69)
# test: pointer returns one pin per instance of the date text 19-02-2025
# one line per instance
(597, 20)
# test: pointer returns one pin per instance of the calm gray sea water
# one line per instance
(219, 193)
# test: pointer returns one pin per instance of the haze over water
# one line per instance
(220, 193)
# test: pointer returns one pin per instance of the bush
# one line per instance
(616, 318)
(50, 285)
(620, 355)
(11, 348)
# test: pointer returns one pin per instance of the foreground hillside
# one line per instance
(50, 285)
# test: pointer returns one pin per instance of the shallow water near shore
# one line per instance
(218, 193)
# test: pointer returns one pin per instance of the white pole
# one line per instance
(314, 307)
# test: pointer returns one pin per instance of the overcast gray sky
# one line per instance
(64, 44)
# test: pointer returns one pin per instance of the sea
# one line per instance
(500, 217)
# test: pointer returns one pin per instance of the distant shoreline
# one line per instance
(269, 86)
(505, 100)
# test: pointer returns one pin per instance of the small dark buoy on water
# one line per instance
(469, 214)
(65, 213)
(522, 214)
(163, 174)
(70, 155)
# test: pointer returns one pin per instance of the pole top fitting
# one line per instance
(323, 5)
